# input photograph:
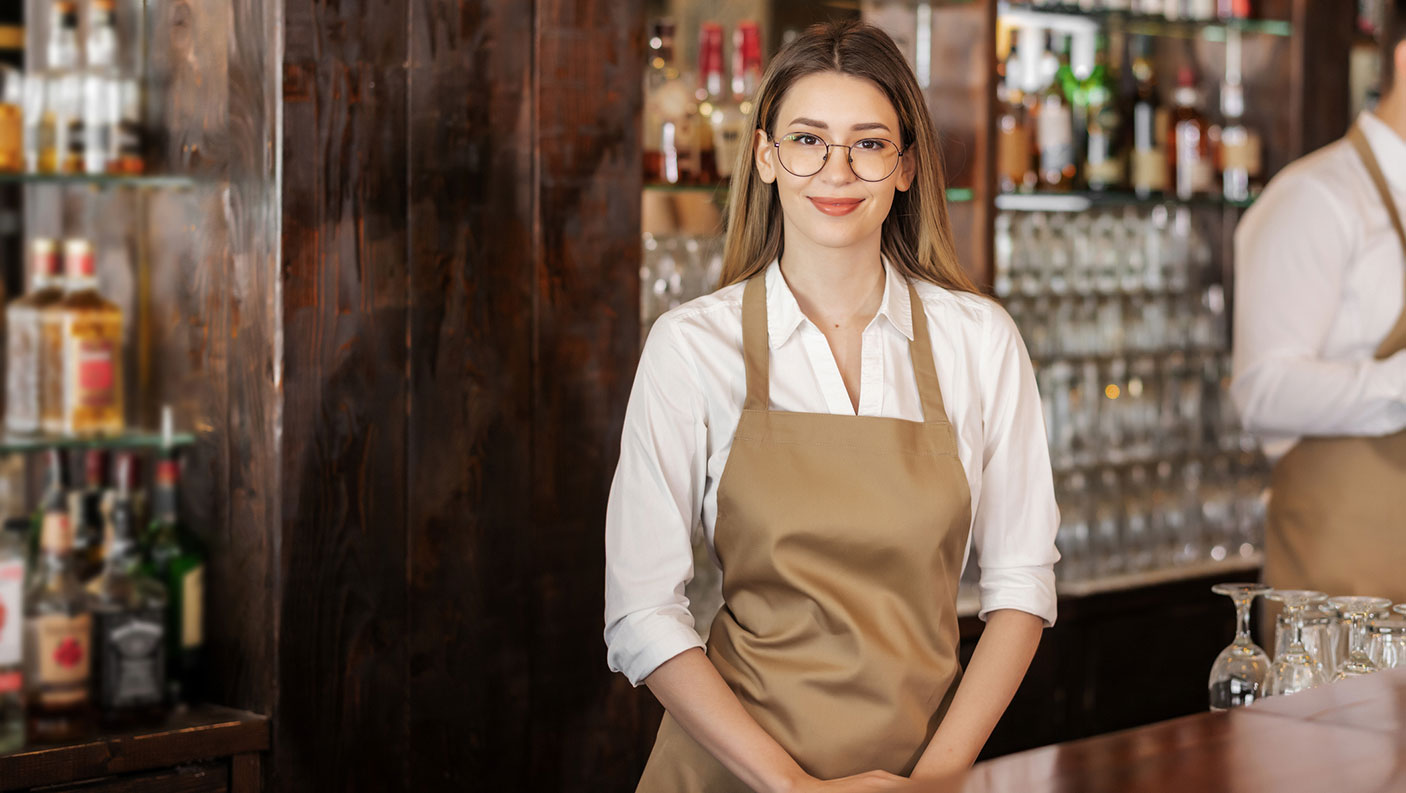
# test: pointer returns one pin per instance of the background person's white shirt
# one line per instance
(1318, 285)
(685, 406)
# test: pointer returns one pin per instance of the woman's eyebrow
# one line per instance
(810, 122)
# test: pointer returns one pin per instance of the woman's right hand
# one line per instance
(859, 783)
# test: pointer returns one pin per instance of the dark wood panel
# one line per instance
(342, 656)
(191, 736)
(589, 61)
(470, 227)
(1318, 79)
(209, 778)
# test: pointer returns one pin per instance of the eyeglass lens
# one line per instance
(873, 159)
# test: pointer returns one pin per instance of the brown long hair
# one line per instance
(916, 236)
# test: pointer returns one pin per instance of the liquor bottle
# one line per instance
(1103, 163)
(102, 89)
(85, 513)
(1054, 129)
(667, 147)
(58, 636)
(11, 118)
(61, 123)
(176, 558)
(1201, 10)
(14, 550)
(1190, 168)
(24, 357)
(1238, 155)
(1147, 159)
(709, 95)
(129, 619)
(91, 350)
(1014, 144)
(1233, 9)
(732, 116)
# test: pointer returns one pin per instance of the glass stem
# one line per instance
(1296, 619)
(1242, 621)
(1356, 644)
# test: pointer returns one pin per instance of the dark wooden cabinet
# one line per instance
(1116, 660)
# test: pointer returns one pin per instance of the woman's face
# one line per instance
(833, 208)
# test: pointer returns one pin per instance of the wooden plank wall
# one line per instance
(460, 324)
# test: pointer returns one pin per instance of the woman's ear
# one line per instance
(765, 156)
(907, 169)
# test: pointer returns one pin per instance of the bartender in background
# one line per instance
(1320, 350)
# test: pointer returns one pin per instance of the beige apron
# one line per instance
(841, 542)
(1337, 516)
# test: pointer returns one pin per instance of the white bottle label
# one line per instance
(11, 612)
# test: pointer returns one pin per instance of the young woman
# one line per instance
(839, 422)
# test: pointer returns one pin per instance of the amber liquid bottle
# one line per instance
(1190, 166)
(58, 637)
(91, 350)
(24, 359)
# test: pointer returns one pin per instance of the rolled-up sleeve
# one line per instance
(654, 511)
(1016, 517)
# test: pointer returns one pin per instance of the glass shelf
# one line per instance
(954, 194)
(1148, 24)
(141, 181)
(132, 440)
(1082, 201)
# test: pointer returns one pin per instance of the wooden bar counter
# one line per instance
(1347, 737)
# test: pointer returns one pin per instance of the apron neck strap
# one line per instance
(929, 389)
(1396, 339)
(756, 352)
(756, 349)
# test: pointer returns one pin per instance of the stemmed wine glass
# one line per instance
(1294, 670)
(1358, 609)
(1239, 673)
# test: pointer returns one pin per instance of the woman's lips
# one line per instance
(836, 206)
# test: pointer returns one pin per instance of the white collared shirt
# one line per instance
(687, 400)
(1318, 285)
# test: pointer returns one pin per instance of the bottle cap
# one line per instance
(44, 254)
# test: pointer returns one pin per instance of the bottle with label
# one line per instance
(102, 89)
(24, 359)
(60, 130)
(1014, 144)
(58, 637)
(1147, 160)
(709, 95)
(732, 116)
(1238, 156)
(14, 551)
(1190, 168)
(11, 118)
(1103, 162)
(667, 151)
(176, 558)
(1054, 130)
(129, 619)
(91, 350)
(85, 512)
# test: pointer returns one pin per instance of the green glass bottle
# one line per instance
(176, 558)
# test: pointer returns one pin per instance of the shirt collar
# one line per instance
(1389, 148)
(784, 314)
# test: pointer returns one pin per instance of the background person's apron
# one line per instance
(1337, 514)
(841, 541)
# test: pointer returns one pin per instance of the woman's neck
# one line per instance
(835, 287)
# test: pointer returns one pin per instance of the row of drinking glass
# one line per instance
(1145, 408)
(1150, 518)
(1136, 249)
(675, 270)
(1309, 650)
(1119, 325)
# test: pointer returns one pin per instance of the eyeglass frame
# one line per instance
(849, 158)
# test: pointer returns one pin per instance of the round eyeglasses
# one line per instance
(871, 159)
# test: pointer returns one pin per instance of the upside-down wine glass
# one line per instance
(1294, 670)
(1358, 609)
(1239, 673)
